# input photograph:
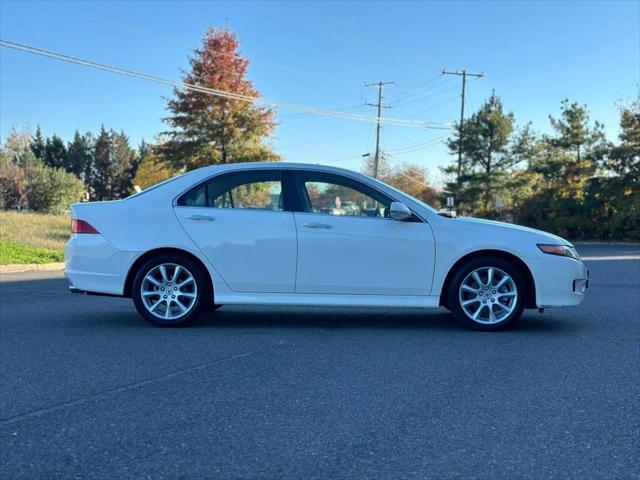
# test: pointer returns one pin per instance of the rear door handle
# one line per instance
(201, 218)
(317, 226)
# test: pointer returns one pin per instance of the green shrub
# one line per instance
(35, 186)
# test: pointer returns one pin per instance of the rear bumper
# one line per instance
(93, 264)
(560, 282)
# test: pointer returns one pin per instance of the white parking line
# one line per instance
(612, 257)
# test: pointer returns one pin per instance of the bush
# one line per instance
(36, 187)
(63, 189)
(12, 186)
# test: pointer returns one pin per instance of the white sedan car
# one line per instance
(297, 234)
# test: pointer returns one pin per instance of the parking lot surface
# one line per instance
(90, 390)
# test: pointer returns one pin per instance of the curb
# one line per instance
(31, 267)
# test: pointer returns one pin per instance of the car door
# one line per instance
(242, 223)
(347, 244)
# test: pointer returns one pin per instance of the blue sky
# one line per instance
(533, 54)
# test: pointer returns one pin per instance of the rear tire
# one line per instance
(487, 294)
(170, 290)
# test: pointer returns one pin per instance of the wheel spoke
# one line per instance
(150, 293)
(502, 281)
(149, 278)
(155, 305)
(492, 315)
(185, 282)
(506, 294)
(469, 302)
(477, 312)
(180, 305)
(476, 277)
(163, 271)
(186, 294)
(176, 272)
(468, 288)
(490, 276)
(167, 312)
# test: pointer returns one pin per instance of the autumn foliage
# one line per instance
(209, 129)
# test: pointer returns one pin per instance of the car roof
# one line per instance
(276, 165)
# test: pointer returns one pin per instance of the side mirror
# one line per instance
(399, 211)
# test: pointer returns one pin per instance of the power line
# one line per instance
(321, 140)
(464, 74)
(213, 91)
(415, 148)
(416, 89)
(180, 42)
(379, 106)
(400, 162)
(434, 106)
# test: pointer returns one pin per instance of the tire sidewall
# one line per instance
(453, 298)
(202, 295)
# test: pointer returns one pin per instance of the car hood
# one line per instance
(502, 225)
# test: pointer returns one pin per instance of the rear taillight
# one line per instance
(80, 226)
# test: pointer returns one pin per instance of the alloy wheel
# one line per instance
(168, 291)
(488, 295)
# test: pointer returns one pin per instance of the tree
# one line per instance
(485, 143)
(16, 146)
(55, 153)
(567, 158)
(414, 181)
(621, 190)
(210, 129)
(624, 159)
(38, 144)
(13, 188)
(572, 129)
(100, 184)
(79, 154)
(123, 165)
(152, 169)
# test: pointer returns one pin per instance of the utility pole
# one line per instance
(380, 85)
(464, 74)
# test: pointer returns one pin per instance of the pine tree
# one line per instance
(485, 140)
(122, 168)
(79, 155)
(100, 180)
(55, 153)
(37, 144)
(573, 132)
(210, 129)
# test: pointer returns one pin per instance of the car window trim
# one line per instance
(305, 203)
(288, 203)
(295, 205)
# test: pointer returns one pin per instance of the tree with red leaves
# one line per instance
(209, 129)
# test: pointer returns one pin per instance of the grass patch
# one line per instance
(11, 252)
(33, 237)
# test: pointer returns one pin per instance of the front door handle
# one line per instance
(201, 218)
(317, 226)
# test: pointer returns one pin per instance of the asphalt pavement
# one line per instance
(90, 390)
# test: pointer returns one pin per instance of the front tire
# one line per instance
(170, 290)
(487, 293)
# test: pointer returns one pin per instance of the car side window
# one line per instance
(256, 190)
(336, 195)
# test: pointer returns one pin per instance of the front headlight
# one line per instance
(561, 250)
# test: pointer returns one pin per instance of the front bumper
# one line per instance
(560, 281)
